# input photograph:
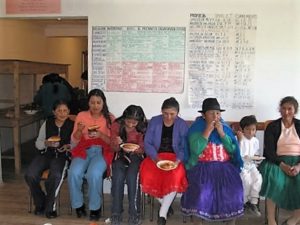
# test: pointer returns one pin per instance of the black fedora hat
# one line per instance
(210, 104)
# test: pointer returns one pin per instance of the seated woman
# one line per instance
(92, 154)
(280, 170)
(215, 191)
(59, 129)
(164, 140)
(127, 129)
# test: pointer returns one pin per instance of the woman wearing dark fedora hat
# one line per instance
(215, 191)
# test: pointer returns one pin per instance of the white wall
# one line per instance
(277, 67)
(277, 46)
(277, 64)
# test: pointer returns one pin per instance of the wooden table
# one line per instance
(1, 180)
(16, 68)
(16, 125)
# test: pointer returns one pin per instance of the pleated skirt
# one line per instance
(279, 187)
(215, 192)
(158, 182)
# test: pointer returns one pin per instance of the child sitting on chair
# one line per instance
(250, 175)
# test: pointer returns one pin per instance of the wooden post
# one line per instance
(1, 181)
(16, 126)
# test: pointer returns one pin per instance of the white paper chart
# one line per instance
(138, 59)
(221, 56)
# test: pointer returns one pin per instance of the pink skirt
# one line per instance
(157, 182)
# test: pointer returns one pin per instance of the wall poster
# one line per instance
(221, 56)
(138, 59)
(33, 6)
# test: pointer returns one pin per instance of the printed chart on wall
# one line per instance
(221, 56)
(138, 59)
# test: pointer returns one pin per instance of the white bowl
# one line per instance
(166, 165)
(30, 112)
(129, 147)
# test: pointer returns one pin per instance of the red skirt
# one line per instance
(157, 182)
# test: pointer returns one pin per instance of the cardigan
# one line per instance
(132, 137)
(153, 136)
(271, 137)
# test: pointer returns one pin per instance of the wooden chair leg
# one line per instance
(29, 202)
(58, 203)
(266, 212)
(143, 202)
(184, 219)
(102, 206)
(277, 214)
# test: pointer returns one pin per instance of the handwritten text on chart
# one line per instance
(138, 59)
(221, 55)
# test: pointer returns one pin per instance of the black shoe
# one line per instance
(51, 214)
(254, 210)
(80, 211)
(115, 220)
(95, 215)
(134, 220)
(161, 221)
(170, 212)
(39, 210)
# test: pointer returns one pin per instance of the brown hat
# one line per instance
(210, 104)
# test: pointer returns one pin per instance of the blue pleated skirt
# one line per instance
(214, 193)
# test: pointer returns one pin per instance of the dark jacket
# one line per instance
(152, 139)
(272, 134)
(64, 132)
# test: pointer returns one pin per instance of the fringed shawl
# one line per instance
(199, 126)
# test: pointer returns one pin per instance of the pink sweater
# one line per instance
(85, 142)
(86, 118)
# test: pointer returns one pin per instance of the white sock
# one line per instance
(254, 201)
(166, 203)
